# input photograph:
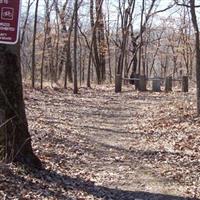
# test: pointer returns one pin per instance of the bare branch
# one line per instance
(184, 4)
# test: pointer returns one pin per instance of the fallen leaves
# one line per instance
(102, 145)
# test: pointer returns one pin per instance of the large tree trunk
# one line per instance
(197, 48)
(101, 39)
(33, 47)
(94, 43)
(15, 140)
(118, 77)
(75, 46)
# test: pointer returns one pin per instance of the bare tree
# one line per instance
(191, 4)
(34, 40)
(29, 4)
(75, 45)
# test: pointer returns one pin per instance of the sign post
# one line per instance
(9, 21)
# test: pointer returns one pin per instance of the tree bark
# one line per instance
(75, 46)
(122, 53)
(15, 141)
(94, 46)
(33, 47)
(197, 48)
(101, 40)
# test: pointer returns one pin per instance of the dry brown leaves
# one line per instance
(102, 145)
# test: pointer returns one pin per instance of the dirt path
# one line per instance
(102, 145)
(115, 125)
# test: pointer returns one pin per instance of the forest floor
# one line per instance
(108, 146)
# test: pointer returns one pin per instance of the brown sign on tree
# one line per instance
(9, 21)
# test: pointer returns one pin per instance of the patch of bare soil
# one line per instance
(102, 145)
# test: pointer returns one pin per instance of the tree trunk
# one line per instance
(67, 52)
(120, 67)
(101, 39)
(33, 48)
(25, 22)
(141, 39)
(94, 42)
(46, 25)
(75, 46)
(197, 48)
(15, 141)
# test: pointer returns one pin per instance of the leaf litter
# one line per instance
(102, 145)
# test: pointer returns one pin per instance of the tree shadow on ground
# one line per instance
(69, 183)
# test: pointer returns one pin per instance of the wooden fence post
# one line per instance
(156, 84)
(185, 84)
(137, 81)
(142, 83)
(118, 83)
(168, 84)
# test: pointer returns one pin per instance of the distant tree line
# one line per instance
(80, 43)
